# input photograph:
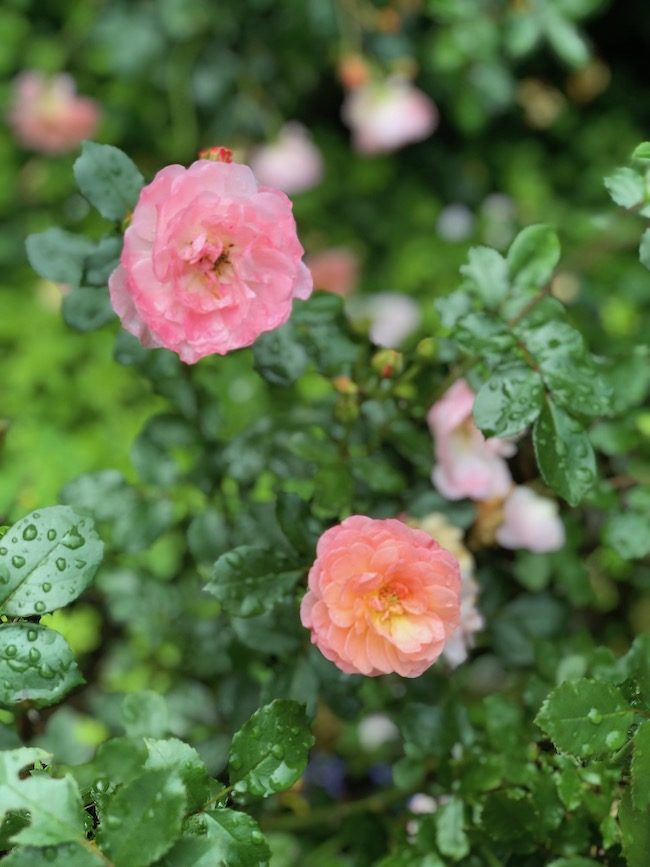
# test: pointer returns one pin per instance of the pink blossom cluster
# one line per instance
(469, 465)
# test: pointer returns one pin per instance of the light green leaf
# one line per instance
(269, 752)
(236, 839)
(509, 401)
(36, 664)
(564, 454)
(64, 855)
(635, 831)
(279, 355)
(174, 753)
(249, 580)
(488, 272)
(533, 255)
(101, 263)
(143, 818)
(641, 767)
(108, 179)
(574, 861)
(644, 249)
(642, 152)
(483, 334)
(190, 852)
(628, 535)
(46, 560)
(450, 834)
(565, 39)
(144, 713)
(54, 806)
(626, 187)
(58, 255)
(586, 718)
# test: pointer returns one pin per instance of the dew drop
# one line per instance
(3, 551)
(30, 533)
(17, 561)
(11, 650)
(46, 672)
(277, 751)
(615, 739)
(235, 762)
(257, 836)
(34, 655)
(46, 586)
(73, 539)
(32, 635)
(79, 563)
(51, 535)
(39, 606)
(594, 716)
(61, 563)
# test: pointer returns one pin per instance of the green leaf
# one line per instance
(54, 806)
(236, 840)
(635, 831)
(450, 834)
(574, 861)
(509, 401)
(65, 855)
(644, 249)
(249, 580)
(586, 718)
(642, 152)
(297, 523)
(565, 39)
(279, 355)
(143, 818)
(628, 535)
(108, 179)
(533, 255)
(173, 753)
(333, 491)
(564, 454)
(87, 308)
(190, 852)
(101, 263)
(58, 255)
(566, 366)
(36, 664)
(483, 334)
(144, 713)
(47, 560)
(640, 767)
(488, 272)
(626, 187)
(269, 752)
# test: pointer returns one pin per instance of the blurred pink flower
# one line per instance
(334, 270)
(531, 522)
(210, 261)
(382, 597)
(292, 163)
(467, 465)
(385, 116)
(48, 116)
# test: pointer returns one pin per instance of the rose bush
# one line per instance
(479, 398)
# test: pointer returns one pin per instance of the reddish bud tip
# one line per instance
(217, 154)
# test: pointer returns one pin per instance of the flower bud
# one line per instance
(387, 363)
(217, 154)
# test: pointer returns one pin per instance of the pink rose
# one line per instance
(292, 163)
(334, 270)
(530, 521)
(210, 261)
(47, 115)
(471, 621)
(384, 116)
(382, 597)
(467, 465)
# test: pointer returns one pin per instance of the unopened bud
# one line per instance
(217, 154)
(353, 71)
(346, 409)
(344, 385)
(387, 363)
(427, 348)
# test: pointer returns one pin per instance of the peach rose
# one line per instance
(471, 621)
(382, 597)
(467, 465)
(210, 261)
(47, 115)
(335, 270)
(292, 163)
(531, 522)
(387, 115)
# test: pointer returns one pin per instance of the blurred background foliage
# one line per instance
(538, 100)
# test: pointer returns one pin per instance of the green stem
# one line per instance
(620, 756)
(376, 803)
